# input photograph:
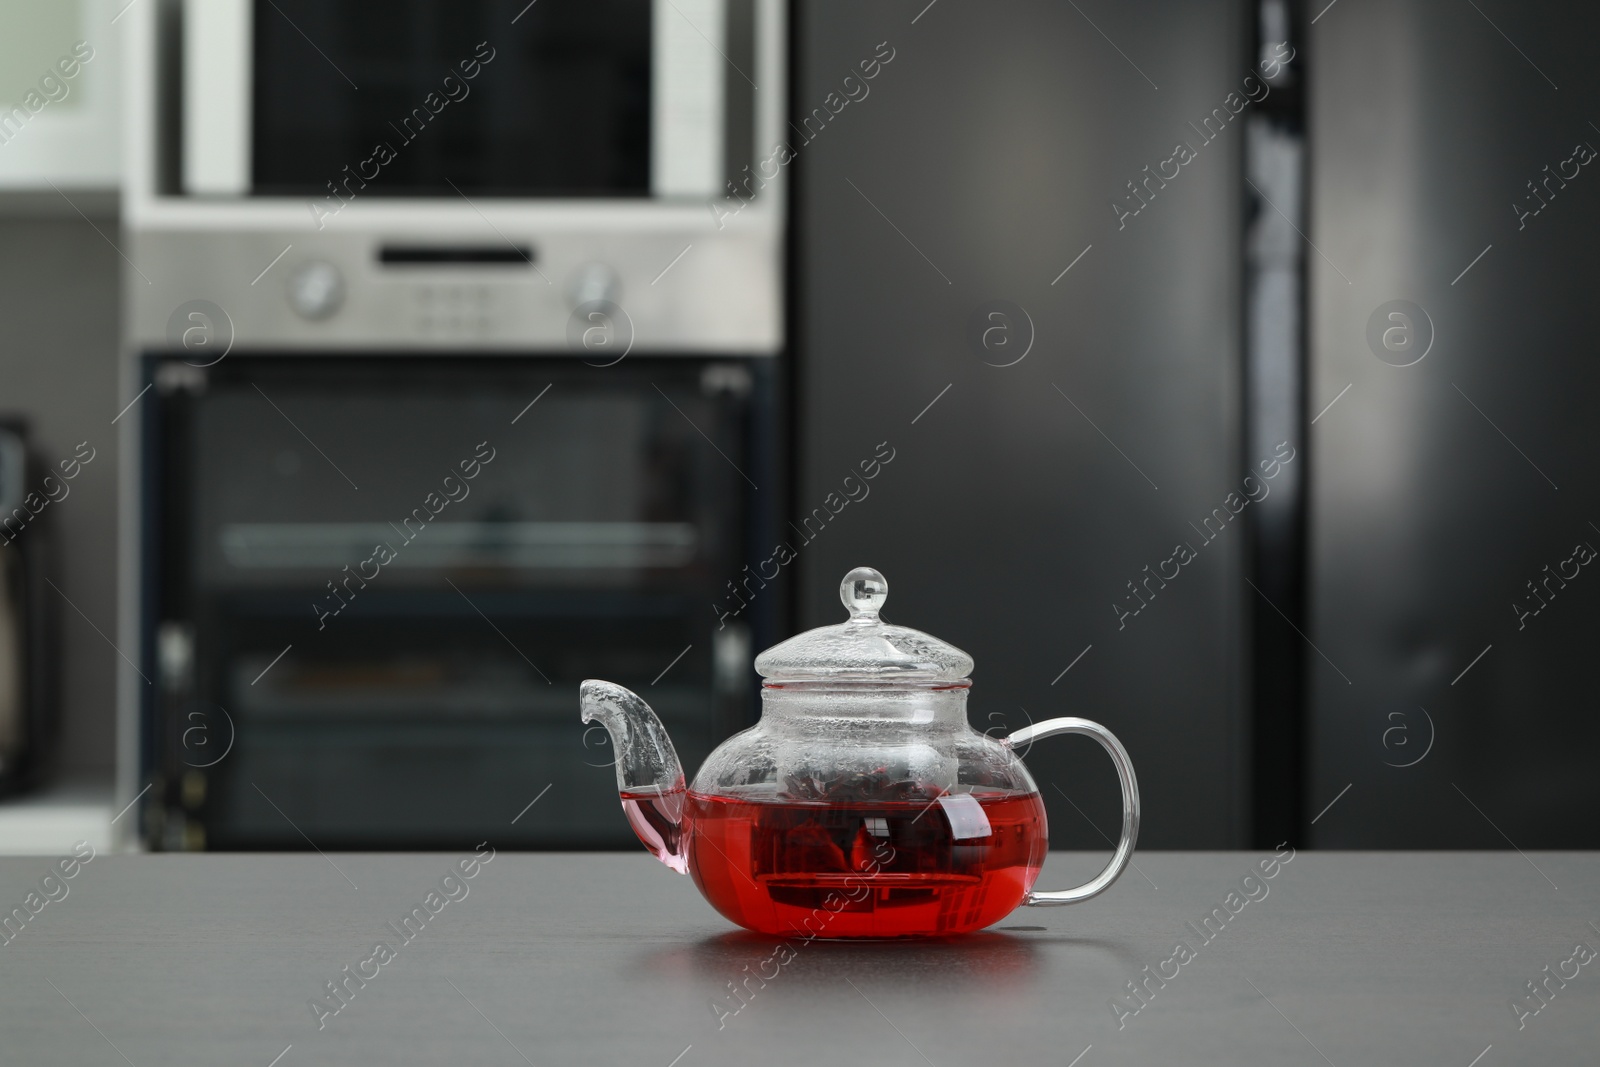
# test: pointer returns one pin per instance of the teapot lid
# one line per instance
(864, 649)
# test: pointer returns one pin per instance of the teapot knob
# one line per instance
(863, 591)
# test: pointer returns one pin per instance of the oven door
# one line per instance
(315, 99)
(377, 584)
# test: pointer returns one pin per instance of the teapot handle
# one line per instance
(1130, 805)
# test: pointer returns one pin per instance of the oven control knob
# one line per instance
(593, 283)
(316, 290)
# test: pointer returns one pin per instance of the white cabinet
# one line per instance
(60, 93)
(49, 822)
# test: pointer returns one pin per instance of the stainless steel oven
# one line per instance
(369, 244)
(417, 174)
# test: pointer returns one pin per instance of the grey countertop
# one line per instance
(1348, 958)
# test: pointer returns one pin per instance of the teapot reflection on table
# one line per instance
(862, 804)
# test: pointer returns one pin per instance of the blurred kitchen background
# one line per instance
(1225, 370)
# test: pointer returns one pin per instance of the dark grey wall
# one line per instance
(981, 163)
(1434, 497)
(58, 346)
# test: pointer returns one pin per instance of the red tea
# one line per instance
(657, 819)
(905, 868)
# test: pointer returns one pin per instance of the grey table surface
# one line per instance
(1349, 958)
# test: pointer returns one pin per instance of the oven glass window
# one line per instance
(470, 97)
(390, 614)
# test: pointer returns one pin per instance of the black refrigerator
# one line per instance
(991, 288)
(1454, 486)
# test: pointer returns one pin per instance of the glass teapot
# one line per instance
(862, 804)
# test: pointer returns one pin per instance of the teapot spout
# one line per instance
(649, 776)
